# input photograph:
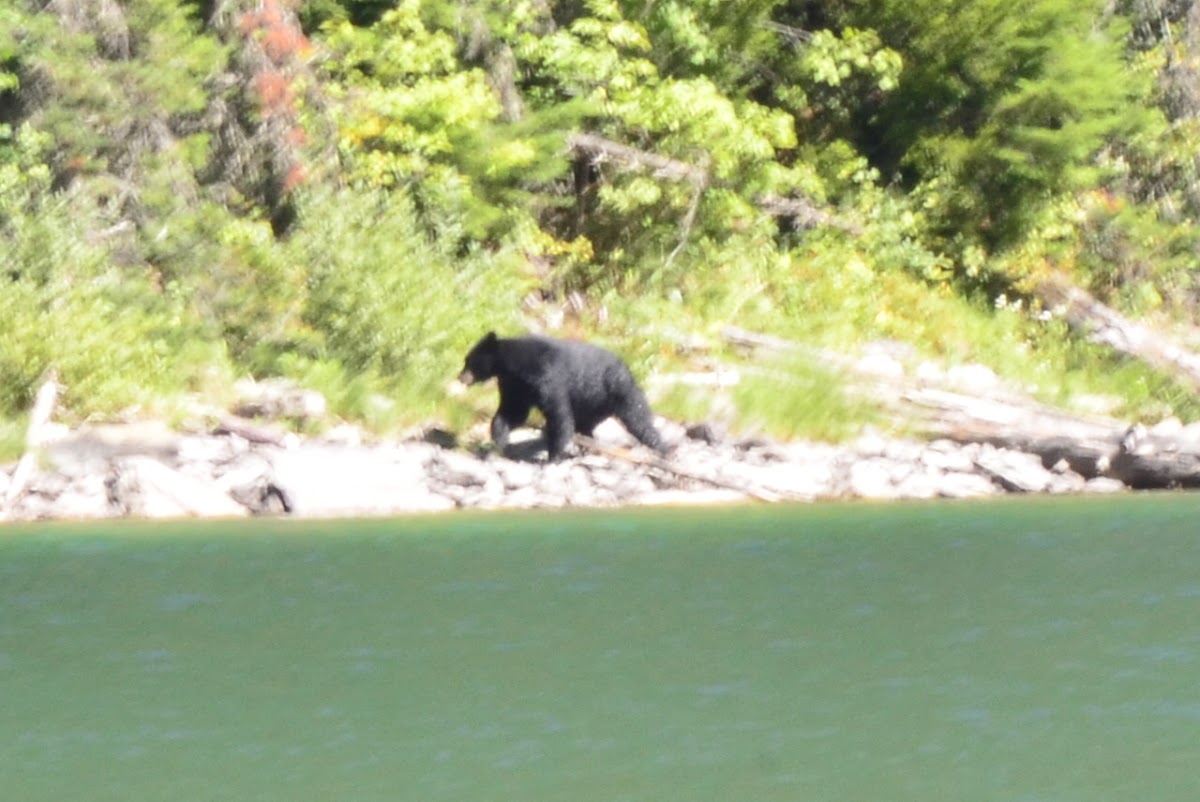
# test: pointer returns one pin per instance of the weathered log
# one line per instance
(1088, 446)
(1092, 447)
(1146, 460)
(1105, 325)
(43, 408)
(1139, 458)
(251, 432)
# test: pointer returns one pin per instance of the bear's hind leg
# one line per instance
(636, 417)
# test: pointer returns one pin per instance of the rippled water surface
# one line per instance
(1045, 650)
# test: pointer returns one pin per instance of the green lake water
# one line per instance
(1020, 650)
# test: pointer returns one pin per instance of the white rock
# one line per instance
(1015, 470)
(870, 444)
(1102, 484)
(516, 474)
(871, 478)
(973, 378)
(920, 485)
(330, 481)
(145, 487)
(84, 498)
(882, 365)
(1168, 427)
(929, 373)
(947, 457)
(966, 485)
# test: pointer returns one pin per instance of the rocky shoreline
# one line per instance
(239, 468)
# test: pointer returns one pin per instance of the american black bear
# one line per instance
(574, 384)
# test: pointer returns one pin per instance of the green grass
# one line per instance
(787, 399)
(12, 439)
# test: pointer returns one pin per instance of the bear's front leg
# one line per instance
(560, 428)
(500, 431)
(513, 412)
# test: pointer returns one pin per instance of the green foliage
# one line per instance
(389, 304)
(12, 438)
(410, 113)
(113, 337)
(165, 227)
(797, 399)
(1004, 105)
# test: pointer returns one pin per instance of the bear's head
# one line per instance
(480, 364)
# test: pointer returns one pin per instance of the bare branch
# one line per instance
(43, 409)
(796, 36)
(805, 213)
(600, 150)
(1107, 326)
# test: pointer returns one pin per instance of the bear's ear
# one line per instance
(490, 338)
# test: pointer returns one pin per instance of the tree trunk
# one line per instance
(1105, 325)
(1164, 457)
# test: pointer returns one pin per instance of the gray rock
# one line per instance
(144, 487)
(1015, 471)
(966, 485)
(1103, 484)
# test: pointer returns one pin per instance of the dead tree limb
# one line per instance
(43, 408)
(677, 471)
(689, 220)
(599, 149)
(805, 213)
(1105, 325)
(1092, 446)
(1088, 446)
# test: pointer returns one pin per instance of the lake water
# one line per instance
(1020, 650)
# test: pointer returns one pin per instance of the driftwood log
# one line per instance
(39, 417)
(1105, 325)
(1132, 454)
(1141, 458)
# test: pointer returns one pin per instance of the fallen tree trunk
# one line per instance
(1105, 325)
(1093, 447)
(1137, 457)
(1087, 446)
(39, 416)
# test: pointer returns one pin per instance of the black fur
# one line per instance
(575, 385)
